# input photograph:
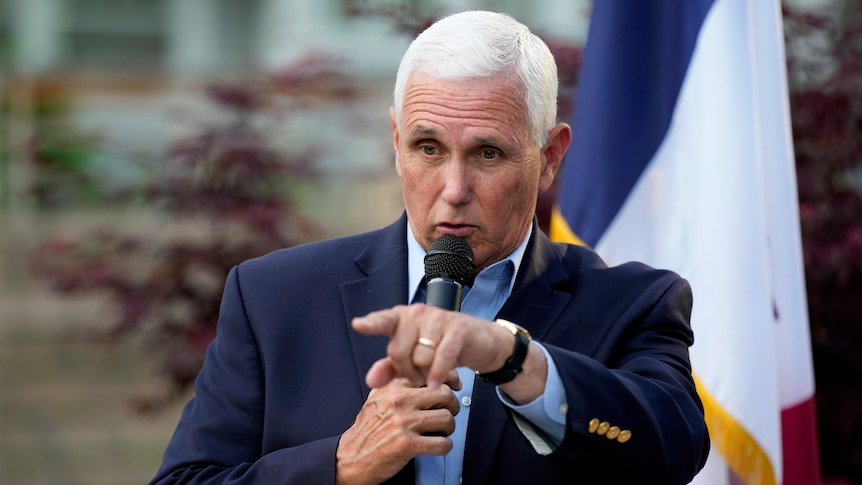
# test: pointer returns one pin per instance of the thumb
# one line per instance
(380, 373)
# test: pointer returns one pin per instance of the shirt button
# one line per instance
(564, 409)
(466, 401)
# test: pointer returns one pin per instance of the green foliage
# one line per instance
(61, 155)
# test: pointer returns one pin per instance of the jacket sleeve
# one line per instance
(633, 410)
(221, 430)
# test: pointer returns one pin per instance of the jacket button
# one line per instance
(594, 425)
(624, 436)
(604, 426)
(613, 432)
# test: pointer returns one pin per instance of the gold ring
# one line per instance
(427, 342)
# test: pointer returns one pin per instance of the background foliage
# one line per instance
(825, 79)
(230, 183)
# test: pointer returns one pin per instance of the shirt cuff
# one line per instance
(548, 411)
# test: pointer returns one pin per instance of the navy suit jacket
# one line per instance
(285, 376)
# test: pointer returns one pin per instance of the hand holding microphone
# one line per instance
(427, 342)
(401, 417)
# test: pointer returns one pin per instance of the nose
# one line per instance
(457, 188)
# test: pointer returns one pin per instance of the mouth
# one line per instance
(460, 230)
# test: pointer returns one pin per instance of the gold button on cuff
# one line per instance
(604, 426)
(594, 425)
(613, 432)
(624, 436)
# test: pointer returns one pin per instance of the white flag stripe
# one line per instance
(785, 247)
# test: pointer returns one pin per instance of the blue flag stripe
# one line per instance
(635, 60)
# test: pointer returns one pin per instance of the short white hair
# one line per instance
(478, 44)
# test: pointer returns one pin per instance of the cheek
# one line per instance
(411, 175)
(520, 197)
(521, 189)
(418, 185)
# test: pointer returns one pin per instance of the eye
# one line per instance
(490, 154)
(428, 149)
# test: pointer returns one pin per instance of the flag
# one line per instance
(682, 158)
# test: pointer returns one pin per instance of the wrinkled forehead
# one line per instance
(493, 102)
(505, 79)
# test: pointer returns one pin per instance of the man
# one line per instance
(322, 373)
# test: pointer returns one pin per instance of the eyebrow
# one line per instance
(482, 140)
(422, 131)
(425, 131)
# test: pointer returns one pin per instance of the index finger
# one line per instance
(381, 322)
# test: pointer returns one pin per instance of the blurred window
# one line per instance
(127, 35)
(5, 35)
(134, 36)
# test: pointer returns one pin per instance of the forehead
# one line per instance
(492, 102)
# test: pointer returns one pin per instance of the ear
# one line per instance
(552, 154)
(394, 123)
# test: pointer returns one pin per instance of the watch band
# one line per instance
(514, 365)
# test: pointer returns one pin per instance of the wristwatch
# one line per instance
(515, 363)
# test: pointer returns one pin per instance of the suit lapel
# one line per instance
(384, 264)
(535, 305)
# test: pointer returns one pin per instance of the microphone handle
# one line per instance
(443, 293)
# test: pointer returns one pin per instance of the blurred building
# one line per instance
(194, 37)
(133, 69)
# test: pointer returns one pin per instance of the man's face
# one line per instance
(468, 163)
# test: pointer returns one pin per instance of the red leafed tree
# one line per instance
(230, 183)
(824, 53)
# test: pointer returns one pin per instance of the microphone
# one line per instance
(448, 267)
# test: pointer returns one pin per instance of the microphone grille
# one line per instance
(449, 257)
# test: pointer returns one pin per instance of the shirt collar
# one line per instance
(416, 263)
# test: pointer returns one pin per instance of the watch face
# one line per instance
(512, 327)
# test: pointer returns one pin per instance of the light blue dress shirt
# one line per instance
(489, 292)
